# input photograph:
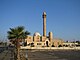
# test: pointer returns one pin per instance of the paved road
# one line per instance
(53, 55)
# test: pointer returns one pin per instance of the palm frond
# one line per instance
(17, 32)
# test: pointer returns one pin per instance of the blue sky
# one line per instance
(63, 17)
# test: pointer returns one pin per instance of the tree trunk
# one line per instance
(18, 49)
(18, 54)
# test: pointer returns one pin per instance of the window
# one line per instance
(37, 37)
(38, 43)
(44, 43)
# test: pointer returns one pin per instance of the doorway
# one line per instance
(47, 44)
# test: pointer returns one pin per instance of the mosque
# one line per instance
(43, 41)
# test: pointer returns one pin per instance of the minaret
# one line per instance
(50, 38)
(44, 24)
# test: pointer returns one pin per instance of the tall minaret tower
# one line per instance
(44, 23)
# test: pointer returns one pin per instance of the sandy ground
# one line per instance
(6, 54)
(53, 54)
(42, 54)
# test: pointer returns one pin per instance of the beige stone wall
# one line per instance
(57, 42)
(36, 38)
(41, 41)
(43, 38)
(29, 38)
(39, 44)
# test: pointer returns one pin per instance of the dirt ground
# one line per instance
(53, 54)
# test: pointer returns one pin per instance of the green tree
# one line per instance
(16, 34)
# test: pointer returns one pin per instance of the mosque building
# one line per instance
(43, 41)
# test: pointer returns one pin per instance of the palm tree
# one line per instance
(24, 35)
(17, 34)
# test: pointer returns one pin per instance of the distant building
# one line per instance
(69, 44)
(43, 41)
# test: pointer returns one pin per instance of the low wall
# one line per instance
(72, 48)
